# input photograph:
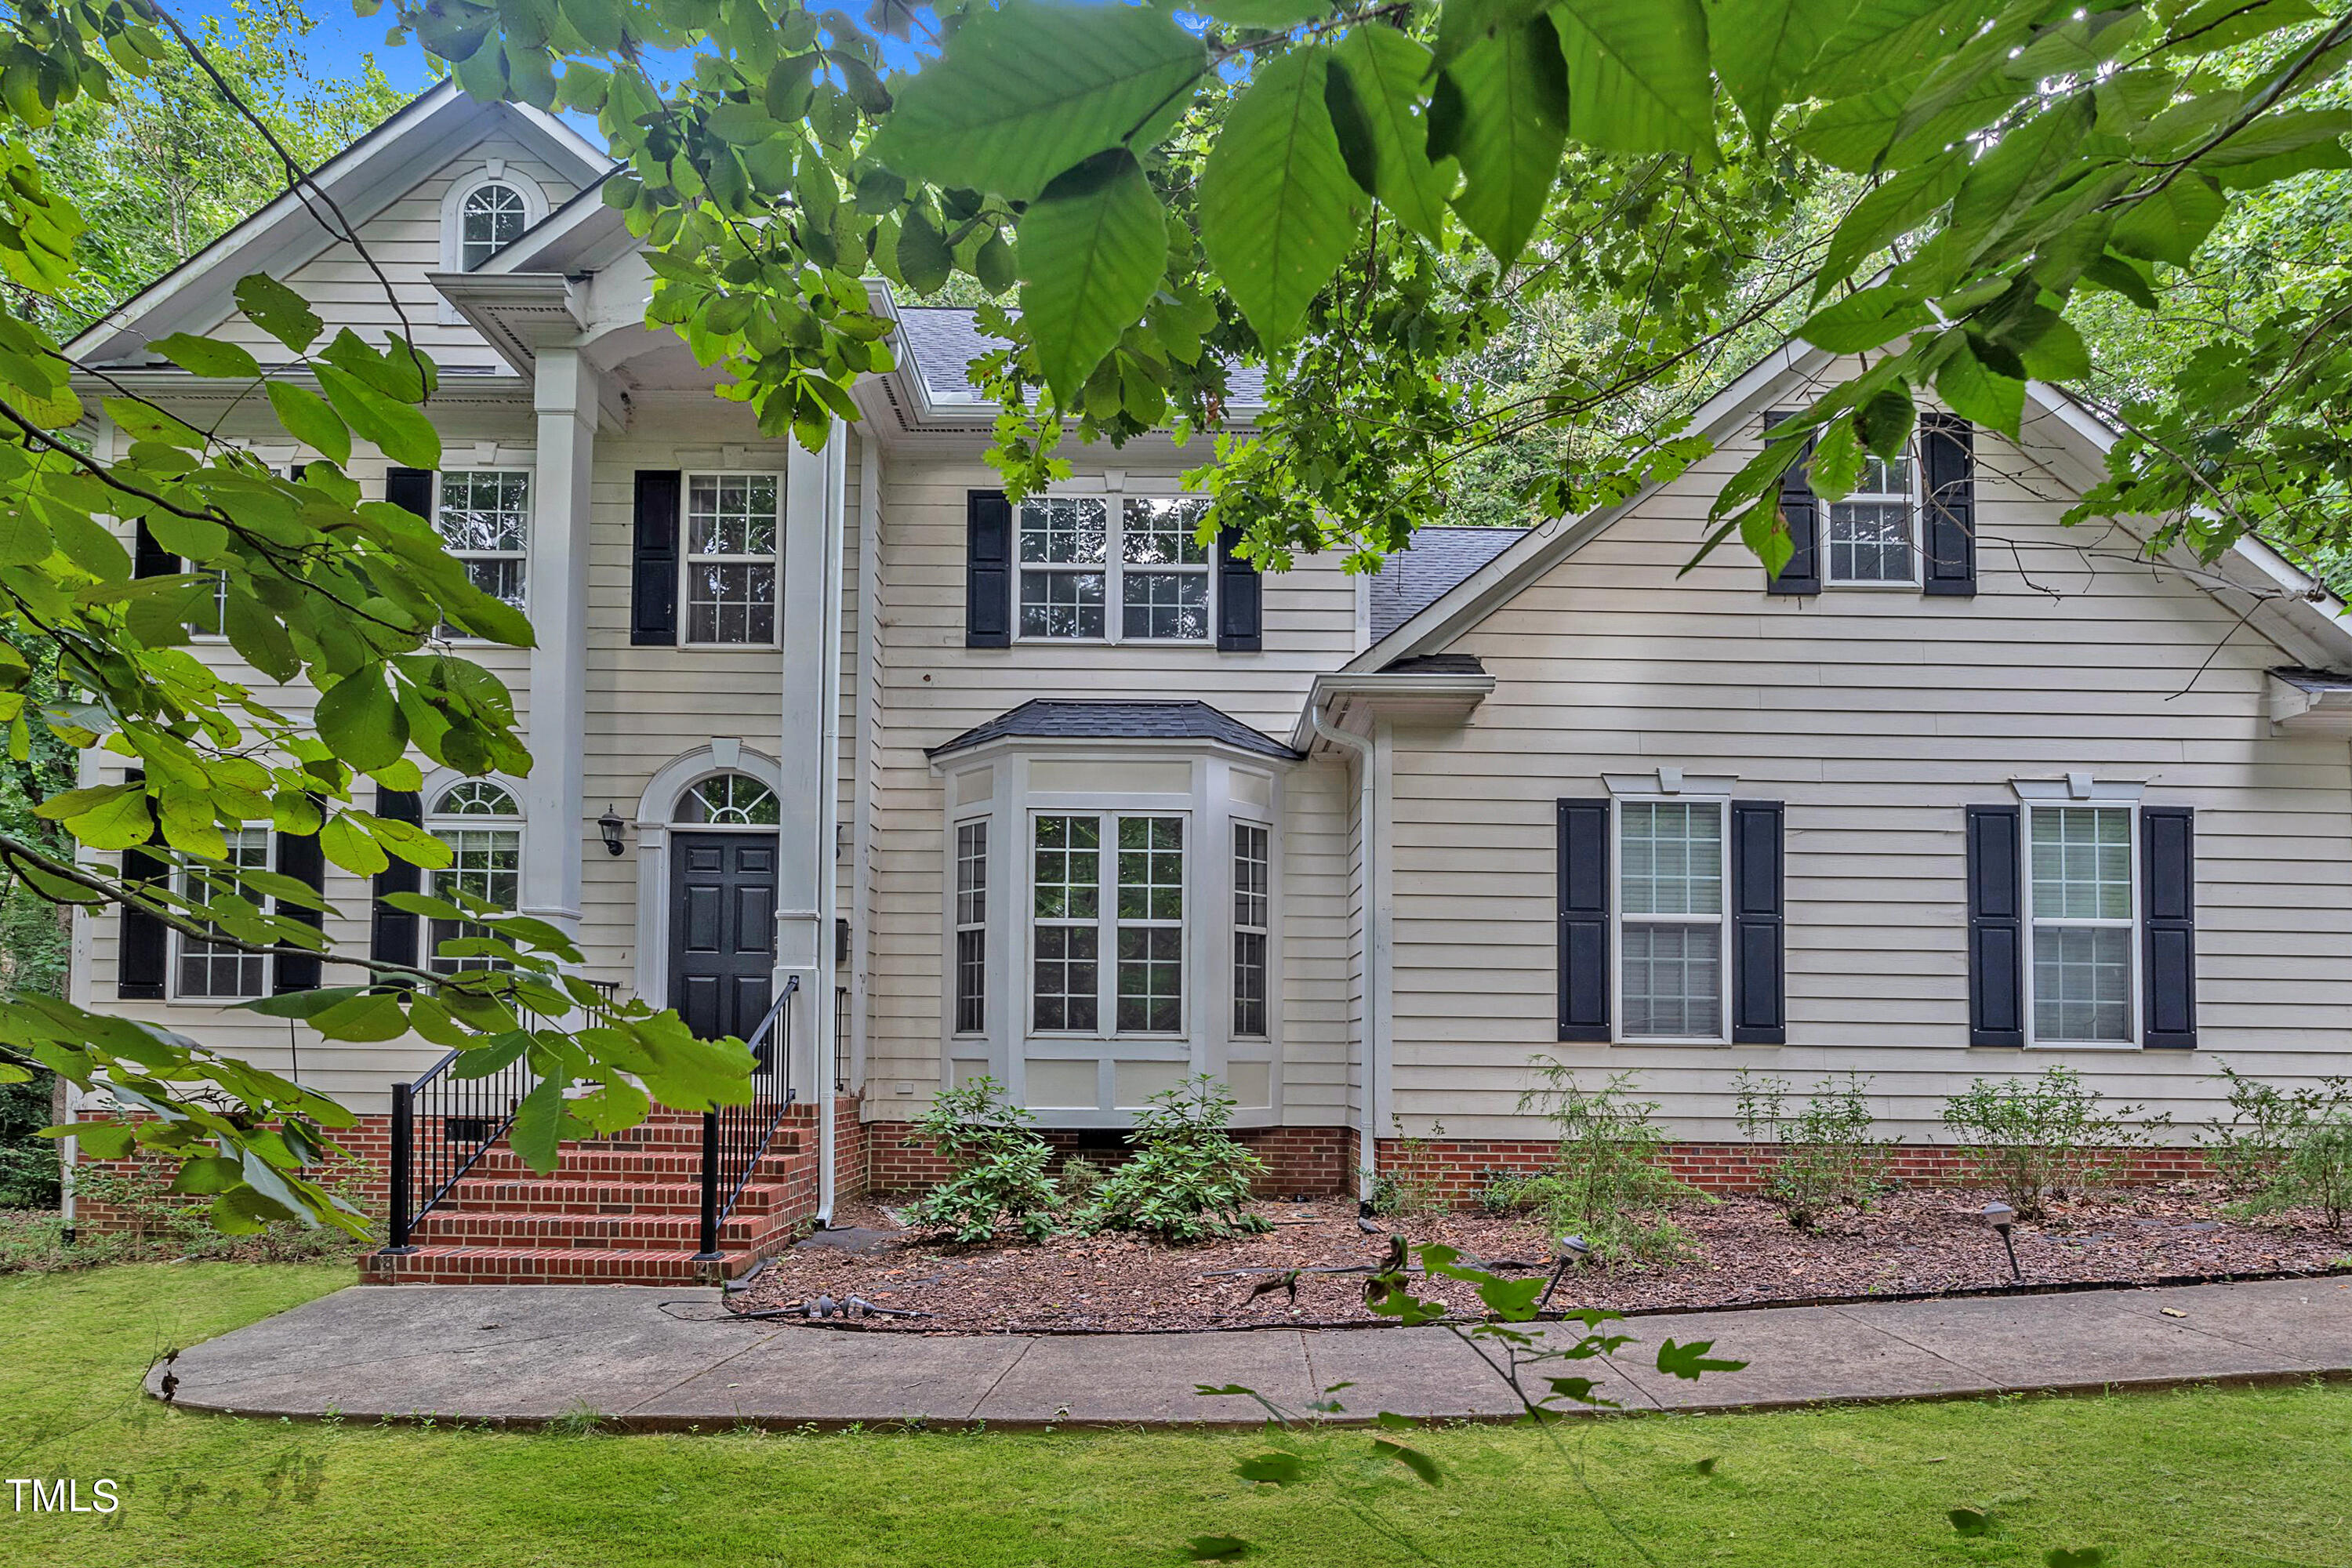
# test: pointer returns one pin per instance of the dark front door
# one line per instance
(722, 929)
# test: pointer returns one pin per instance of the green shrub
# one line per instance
(1826, 1155)
(147, 1221)
(2031, 1137)
(1504, 1192)
(1609, 1182)
(1415, 1182)
(1188, 1181)
(999, 1162)
(28, 1162)
(2314, 1171)
(2267, 1125)
(1079, 1181)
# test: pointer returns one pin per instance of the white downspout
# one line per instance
(869, 710)
(1367, 1128)
(828, 815)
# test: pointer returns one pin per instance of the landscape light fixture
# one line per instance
(2000, 1216)
(610, 825)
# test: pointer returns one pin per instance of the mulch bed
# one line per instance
(1908, 1243)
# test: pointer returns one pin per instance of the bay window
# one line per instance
(1252, 918)
(970, 927)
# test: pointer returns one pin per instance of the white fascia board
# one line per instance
(583, 235)
(362, 180)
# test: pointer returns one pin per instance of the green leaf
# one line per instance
(1689, 1362)
(1276, 1469)
(278, 311)
(1864, 321)
(100, 1140)
(1969, 1521)
(2117, 276)
(924, 260)
(1887, 40)
(399, 431)
(1835, 463)
(1761, 48)
(207, 357)
(995, 265)
(1216, 1548)
(2172, 223)
(1885, 422)
(1502, 109)
(311, 420)
(743, 124)
(350, 845)
(1637, 76)
(1090, 253)
(1889, 212)
(1026, 92)
(24, 537)
(358, 718)
(368, 1017)
(537, 1131)
(1413, 1459)
(1976, 391)
(1275, 214)
(115, 824)
(144, 422)
(2079, 1557)
(208, 1176)
(1375, 102)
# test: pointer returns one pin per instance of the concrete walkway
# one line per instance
(664, 1359)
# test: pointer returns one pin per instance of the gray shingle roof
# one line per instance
(1411, 581)
(1050, 719)
(943, 340)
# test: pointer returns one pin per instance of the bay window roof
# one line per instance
(1053, 719)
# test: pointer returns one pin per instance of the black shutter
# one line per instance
(142, 953)
(1759, 986)
(1949, 535)
(1996, 928)
(2168, 848)
(299, 858)
(149, 559)
(653, 571)
(1583, 920)
(1802, 574)
(1240, 598)
(393, 939)
(410, 488)
(987, 570)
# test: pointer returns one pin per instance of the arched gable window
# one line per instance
(493, 216)
(482, 826)
(727, 800)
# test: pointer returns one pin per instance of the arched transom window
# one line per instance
(482, 826)
(729, 800)
(492, 218)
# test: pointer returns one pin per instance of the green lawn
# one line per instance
(2181, 1481)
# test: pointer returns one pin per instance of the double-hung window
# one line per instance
(481, 825)
(1672, 913)
(1251, 916)
(211, 969)
(970, 927)
(484, 517)
(2083, 904)
(1871, 530)
(1128, 902)
(730, 557)
(1099, 570)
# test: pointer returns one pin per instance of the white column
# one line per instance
(813, 501)
(554, 820)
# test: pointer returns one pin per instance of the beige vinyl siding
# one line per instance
(934, 688)
(405, 240)
(1877, 716)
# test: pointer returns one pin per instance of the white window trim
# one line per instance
(686, 558)
(2132, 980)
(180, 939)
(436, 823)
(1107, 922)
(1617, 800)
(1914, 511)
(1113, 568)
(957, 925)
(530, 527)
(1235, 823)
(491, 170)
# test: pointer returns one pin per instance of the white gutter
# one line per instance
(1367, 1128)
(828, 813)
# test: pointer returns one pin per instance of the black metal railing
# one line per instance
(734, 1137)
(442, 1124)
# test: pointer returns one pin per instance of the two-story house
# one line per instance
(1054, 792)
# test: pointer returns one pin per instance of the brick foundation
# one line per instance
(1308, 1160)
